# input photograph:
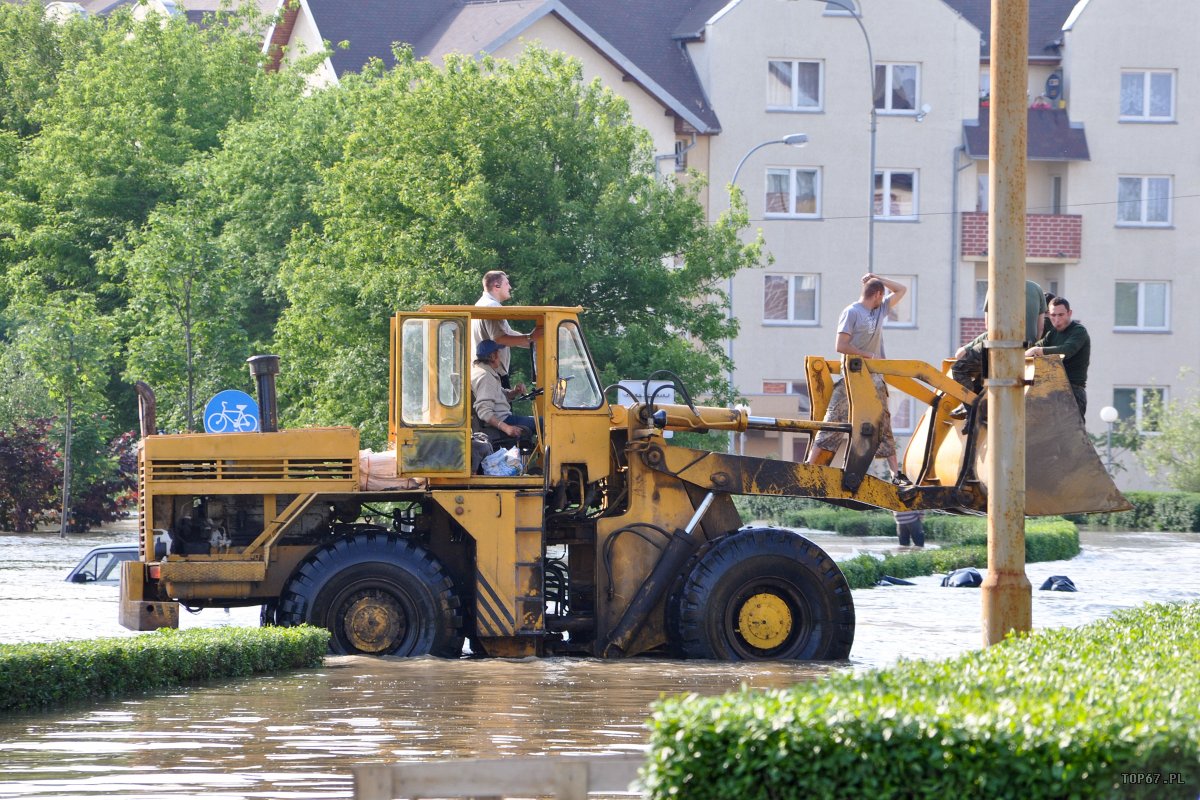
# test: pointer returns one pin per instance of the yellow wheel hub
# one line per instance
(373, 623)
(765, 621)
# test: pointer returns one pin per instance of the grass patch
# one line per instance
(1108, 710)
(44, 675)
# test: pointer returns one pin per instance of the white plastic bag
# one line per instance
(502, 464)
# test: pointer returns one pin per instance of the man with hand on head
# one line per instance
(860, 333)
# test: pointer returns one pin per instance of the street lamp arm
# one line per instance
(793, 139)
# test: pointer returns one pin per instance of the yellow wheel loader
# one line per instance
(608, 541)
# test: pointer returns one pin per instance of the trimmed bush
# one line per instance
(51, 674)
(1152, 511)
(964, 544)
(1106, 710)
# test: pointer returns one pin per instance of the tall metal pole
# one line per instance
(1007, 595)
(853, 12)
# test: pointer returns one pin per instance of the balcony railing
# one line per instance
(1048, 237)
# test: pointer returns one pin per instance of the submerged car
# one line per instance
(101, 564)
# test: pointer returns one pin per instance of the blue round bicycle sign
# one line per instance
(231, 411)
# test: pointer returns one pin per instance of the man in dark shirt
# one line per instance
(1070, 340)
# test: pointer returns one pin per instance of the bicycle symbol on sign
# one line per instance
(231, 420)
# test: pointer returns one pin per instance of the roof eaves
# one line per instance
(609, 51)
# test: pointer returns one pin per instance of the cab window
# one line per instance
(431, 391)
(576, 383)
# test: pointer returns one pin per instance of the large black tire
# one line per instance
(378, 595)
(763, 593)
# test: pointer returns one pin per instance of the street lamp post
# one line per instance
(849, 8)
(792, 140)
(1109, 415)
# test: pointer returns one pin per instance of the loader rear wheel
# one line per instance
(763, 593)
(378, 595)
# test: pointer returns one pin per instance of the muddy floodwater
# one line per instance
(297, 735)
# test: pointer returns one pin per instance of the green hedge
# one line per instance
(1092, 712)
(1152, 511)
(1045, 540)
(51, 674)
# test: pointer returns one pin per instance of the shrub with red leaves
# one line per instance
(30, 474)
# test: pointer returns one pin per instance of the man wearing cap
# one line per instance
(491, 399)
(496, 291)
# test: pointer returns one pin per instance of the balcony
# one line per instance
(1049, 238)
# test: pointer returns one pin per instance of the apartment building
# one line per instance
(720, 84)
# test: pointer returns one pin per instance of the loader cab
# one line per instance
(430, 411)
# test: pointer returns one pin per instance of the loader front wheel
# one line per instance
(378, 595)
(763, 593)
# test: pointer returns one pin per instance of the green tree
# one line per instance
(202, 274)
(67, 345)
(185, 315)
(1173, 451)
(449, 172)
(33, 49)
(137, 103)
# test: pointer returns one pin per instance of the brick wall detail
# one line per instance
(1047, 236)
(969, 328)
(280, 36)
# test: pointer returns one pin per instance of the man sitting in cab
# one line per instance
(492, 402)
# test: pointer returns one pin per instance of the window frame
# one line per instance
(910, 297)
(884, 178)
(791, 320)
(887, 90)
(1147, 96)
(897, 400)
(1144, 201)
(793, 106)
(815, 214)
(1140, 325)
(1139, 404)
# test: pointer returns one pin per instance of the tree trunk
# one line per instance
(66, 484)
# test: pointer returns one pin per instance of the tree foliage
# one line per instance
(449, 172)
(1172, 450)
(167, 209)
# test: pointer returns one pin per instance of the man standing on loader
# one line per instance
(496, 291)
(1070, 340)
(860, 333)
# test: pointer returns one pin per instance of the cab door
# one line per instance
(430, 371)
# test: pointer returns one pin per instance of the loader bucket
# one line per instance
(1063, 472)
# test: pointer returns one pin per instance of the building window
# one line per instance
(791, 299)
(903, 412)
(794, 85)
(900, 189)
(896, 88)
(904, 313)
(981, 288)
(793, 193)
(1142, 306)
(1141, 404)
(1148, 95)
(1143, 201)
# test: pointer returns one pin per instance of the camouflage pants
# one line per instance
(839, 411)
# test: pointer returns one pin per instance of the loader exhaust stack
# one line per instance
(264, 369)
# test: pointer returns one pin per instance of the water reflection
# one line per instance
(297, 735)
